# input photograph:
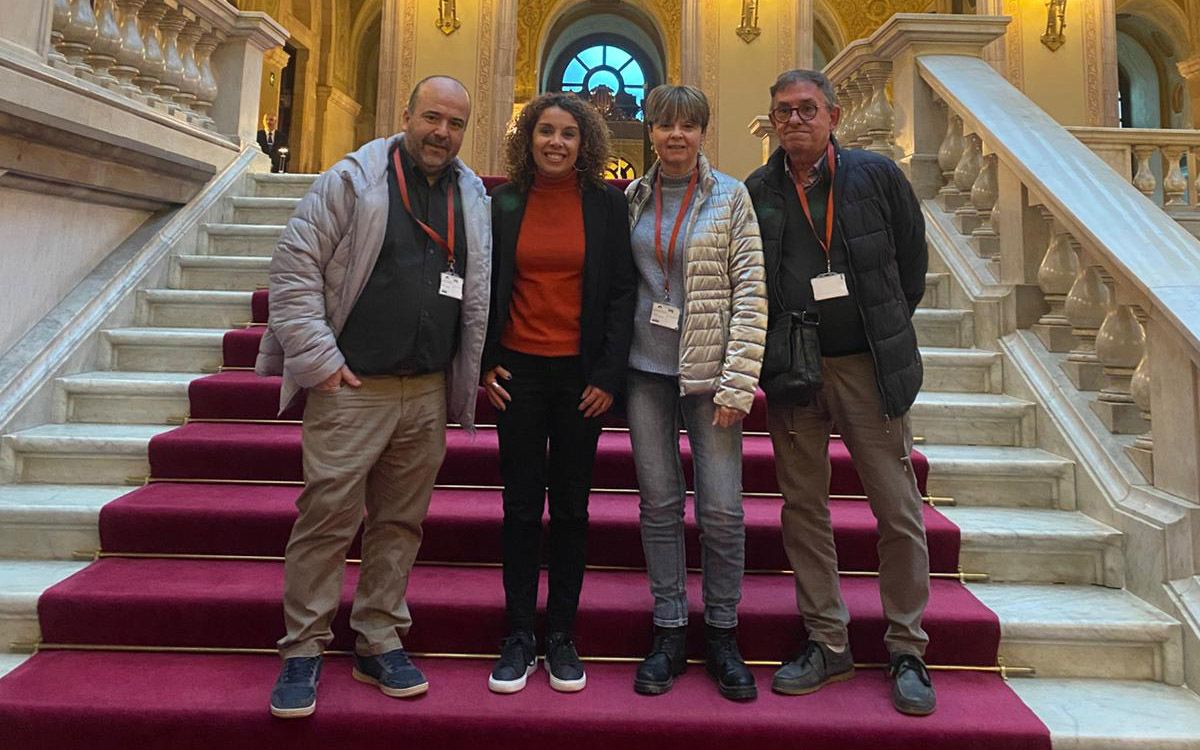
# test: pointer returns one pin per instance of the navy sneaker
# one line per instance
(563, 664)
(295, 693)
(393, 672)
(518, 660)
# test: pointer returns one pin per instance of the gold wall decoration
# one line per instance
(860, 18)
(447, 20)
(1056, 24)
(748, 30)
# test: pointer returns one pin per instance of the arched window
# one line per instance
(607, 63)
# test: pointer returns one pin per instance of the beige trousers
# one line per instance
(880, 448)
(376, 448)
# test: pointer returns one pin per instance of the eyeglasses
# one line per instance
(806, 111)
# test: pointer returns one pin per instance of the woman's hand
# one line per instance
(495, 392)
(595, 401)
(726, 417)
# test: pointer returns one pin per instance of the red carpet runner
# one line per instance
(70, 700)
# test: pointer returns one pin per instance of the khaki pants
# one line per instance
(880, 449)
(378, 448)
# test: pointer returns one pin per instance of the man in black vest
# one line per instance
(270, 142)
(844, 241)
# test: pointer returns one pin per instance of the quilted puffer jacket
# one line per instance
(325, 257)
(725, 293)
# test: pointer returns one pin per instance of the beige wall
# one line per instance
(47, 246)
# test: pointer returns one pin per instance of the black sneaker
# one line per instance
(912, 688)
(295, 692)
(562, 661)
(518, 660)
(666, 661)
(815, 667)
(724, 664)
(393, 672)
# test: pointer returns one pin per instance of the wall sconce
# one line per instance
(749, 30)
(447, 20)
(1056, 24)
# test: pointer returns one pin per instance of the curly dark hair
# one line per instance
(593, 140)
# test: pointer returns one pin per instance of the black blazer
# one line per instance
(609, 281)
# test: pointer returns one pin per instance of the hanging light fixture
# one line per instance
(447, 20)
(749, 30)
(1056, 24)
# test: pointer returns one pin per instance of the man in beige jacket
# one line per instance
(379, 297)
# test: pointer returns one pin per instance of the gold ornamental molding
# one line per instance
(860, 18)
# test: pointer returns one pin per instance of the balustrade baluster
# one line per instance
(854, 114)
(1086, 307)
(132, 54)
(171, 24)
(207, 91)
(949, 154)
(153, 63)
(1056, 275)
(59, 20)
(1120, 345)
(879, 117)
(78, 34)
(985, 191)
(1144, 179)
(966, 218)
(190, 85)
(1142, 450)
(103, 55)
(1174, 183)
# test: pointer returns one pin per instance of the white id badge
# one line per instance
(452, 285)
(667, 316)
(829, 286)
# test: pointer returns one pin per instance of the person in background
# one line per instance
(558, 342)
(699, 332)
(270, 141)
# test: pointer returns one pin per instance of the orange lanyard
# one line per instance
(402, 183)
(684, 209)
(803, 195)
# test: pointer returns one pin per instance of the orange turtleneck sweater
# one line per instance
(547, 293)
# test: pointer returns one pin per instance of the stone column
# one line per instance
(389, 102)
(805, 26)
(1190, 70)
(504, 79)
(693, 43)
(237, 69)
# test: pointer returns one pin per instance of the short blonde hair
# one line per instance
(666, 105)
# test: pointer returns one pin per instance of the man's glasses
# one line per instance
(806, 112)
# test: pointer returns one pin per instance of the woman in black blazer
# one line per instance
(563, 294)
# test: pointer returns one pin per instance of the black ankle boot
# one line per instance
(724, 663)
(666, 661)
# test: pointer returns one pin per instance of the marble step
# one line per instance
(254, 210)
(962, 370)
(123, 397)
(282, 185)
(220, 272)
(162, 349)
(1030, 545)
(10, 661)
(1084, 631)
(51, 521)
(1084, 714)
(974, 419)
(254, 240)
(1000, 476)
(21, 583)
(77, 453)
(945, 328)
(187, 308)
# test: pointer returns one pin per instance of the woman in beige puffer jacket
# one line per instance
(699, 332)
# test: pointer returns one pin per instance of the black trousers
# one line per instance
(544, 411)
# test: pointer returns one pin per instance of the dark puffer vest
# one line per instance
(880, 221)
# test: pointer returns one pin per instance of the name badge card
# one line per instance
(667, 316)
(829, 286)
(452, 285)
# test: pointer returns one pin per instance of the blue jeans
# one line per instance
(656, 412)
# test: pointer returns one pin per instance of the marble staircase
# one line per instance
(1105, 661)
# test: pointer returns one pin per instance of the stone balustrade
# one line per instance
(1164, 165)
(183, 58)
(1046, 216)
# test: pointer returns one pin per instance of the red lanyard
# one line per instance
(445, 244)
(831, 160)
(684, 209)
